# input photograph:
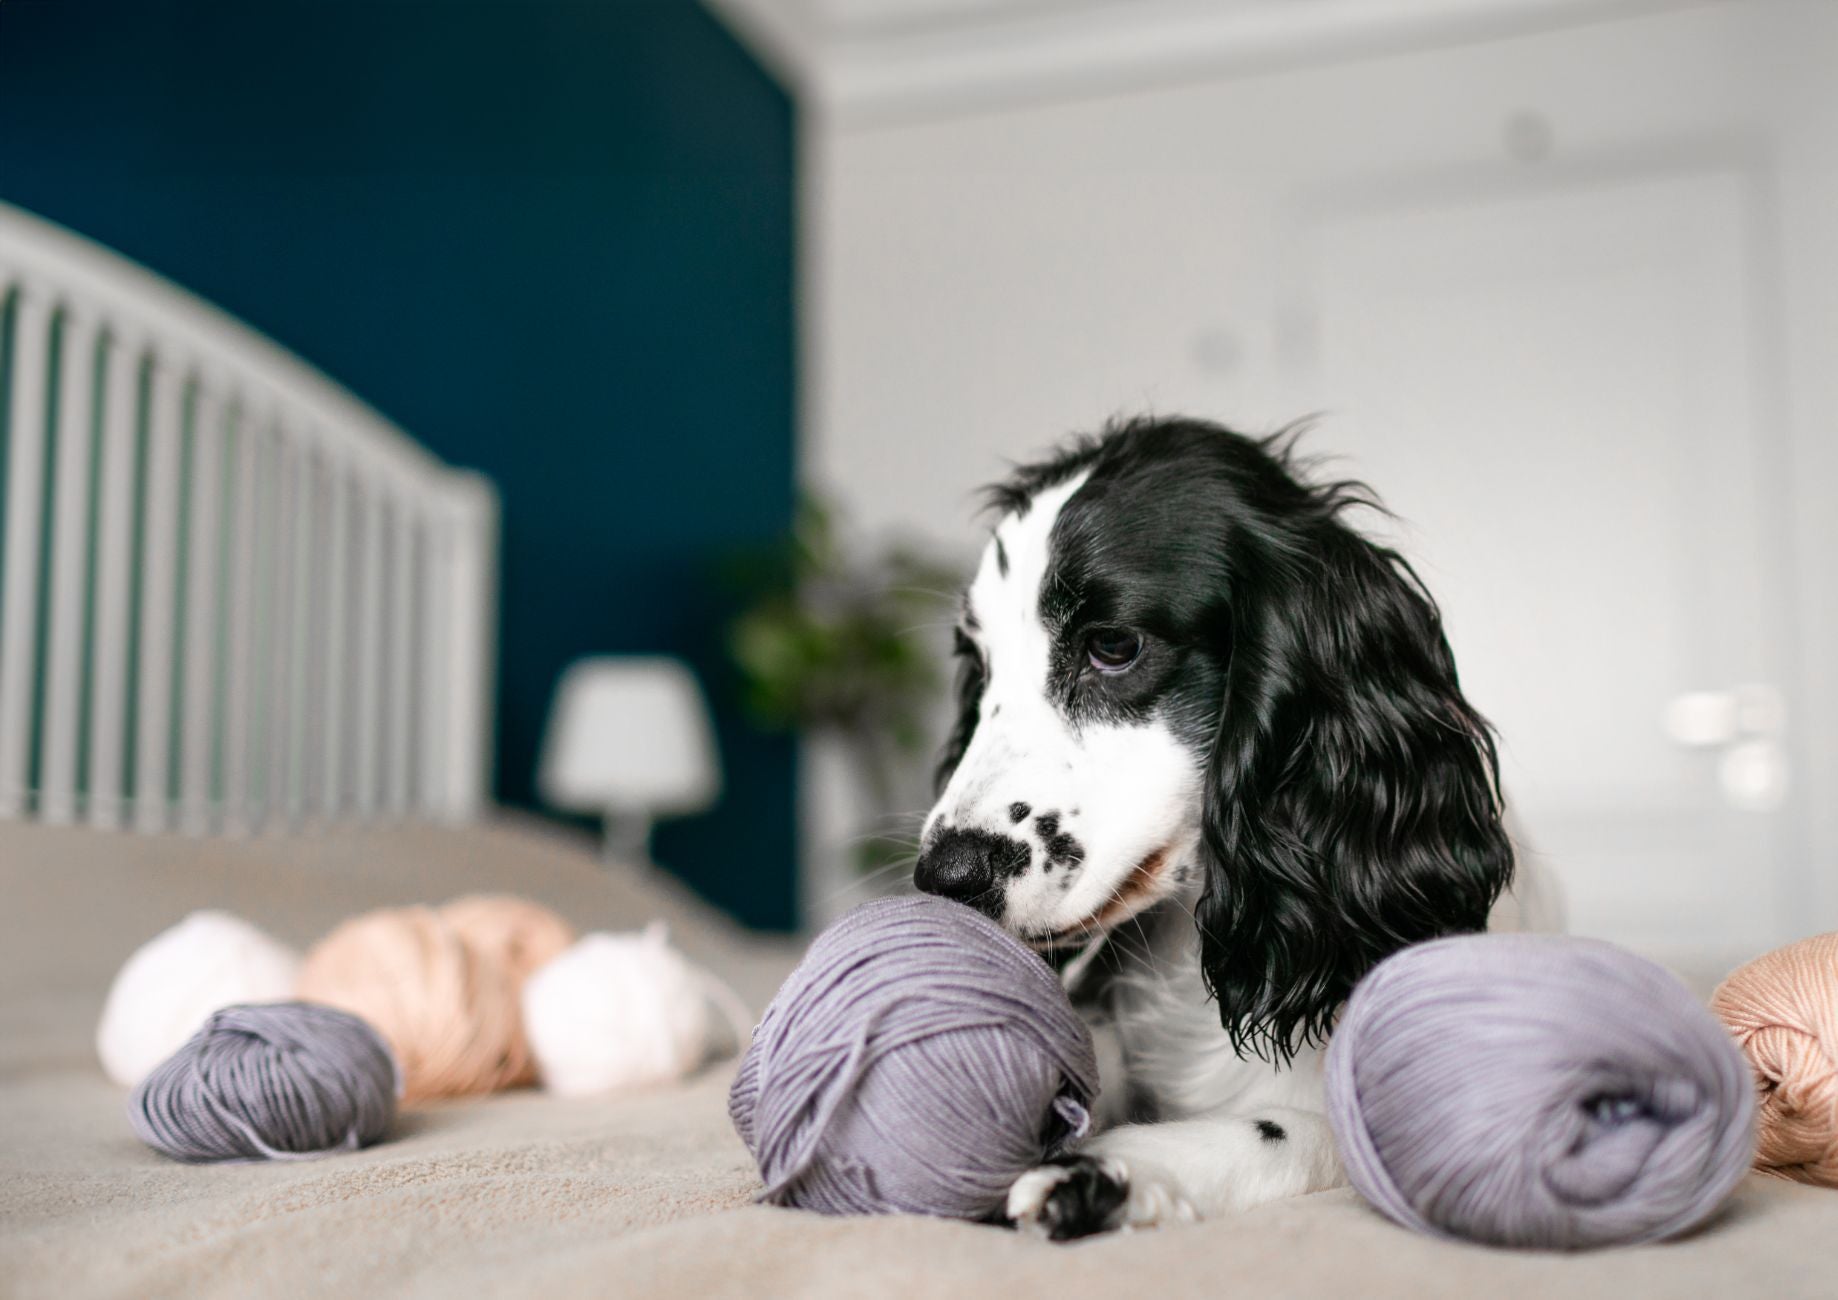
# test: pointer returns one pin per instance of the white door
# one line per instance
(1558, 389)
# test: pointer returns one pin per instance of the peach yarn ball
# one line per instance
(448, 1010)
(520, 935)
(1783, 1010)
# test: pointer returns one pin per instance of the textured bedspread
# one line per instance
(524, 1195)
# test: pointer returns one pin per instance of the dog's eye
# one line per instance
(1112, 649)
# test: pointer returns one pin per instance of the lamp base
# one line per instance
(626, 839)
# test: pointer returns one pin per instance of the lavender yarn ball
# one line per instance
(276, 1081)
(918, 1061)
(1537, 1091)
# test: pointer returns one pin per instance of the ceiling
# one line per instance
(866, 60)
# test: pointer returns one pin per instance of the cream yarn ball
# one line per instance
(165, 992)
(447, 1009)
(519, 935)
(620, 1012)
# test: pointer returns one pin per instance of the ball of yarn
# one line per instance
(1783, 1010)
(617, 1012)
(449, 1011)
(918, 1060)
(519, 935)
(171, 985)
(284, 1081)
(1539, 1091)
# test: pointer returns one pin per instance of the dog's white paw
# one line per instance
(1079, 1195)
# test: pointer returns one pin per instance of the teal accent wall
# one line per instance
(552, 240)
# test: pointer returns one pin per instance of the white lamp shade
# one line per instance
(630, 735)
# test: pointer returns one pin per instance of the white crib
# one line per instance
(232, 597)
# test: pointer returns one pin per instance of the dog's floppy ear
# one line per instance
(1352, 803)
(971, 678)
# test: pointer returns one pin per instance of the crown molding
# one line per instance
(867, 61)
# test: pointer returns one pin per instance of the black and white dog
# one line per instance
(1211, 751)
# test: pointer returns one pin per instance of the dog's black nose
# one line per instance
(970, 866)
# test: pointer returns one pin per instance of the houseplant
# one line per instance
(842, 640)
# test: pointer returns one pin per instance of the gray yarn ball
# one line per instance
(918, 1060)
(1537, 1091)
(275, 1081)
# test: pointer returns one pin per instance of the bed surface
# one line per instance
(521, 1194)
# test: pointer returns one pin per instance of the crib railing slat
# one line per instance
(25, 471)
(204, 536)
(70, 519)
(401, 699)
(332, 655)
(276, 613)
(367, 722)
(434, 581)
(158, 597)
(244, 451)
(108, 727)
(472, 581)
(298, 749)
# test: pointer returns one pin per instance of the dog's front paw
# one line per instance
(1079, 1195)
(1072, 1196)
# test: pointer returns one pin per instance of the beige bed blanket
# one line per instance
(522, 1195)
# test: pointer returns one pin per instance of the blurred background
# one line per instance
(553, 241)
(736, 303)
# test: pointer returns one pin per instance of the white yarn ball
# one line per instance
(171, 985)
(618, 1012)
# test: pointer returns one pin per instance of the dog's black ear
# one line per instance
(971, 676)
(1352, 805)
